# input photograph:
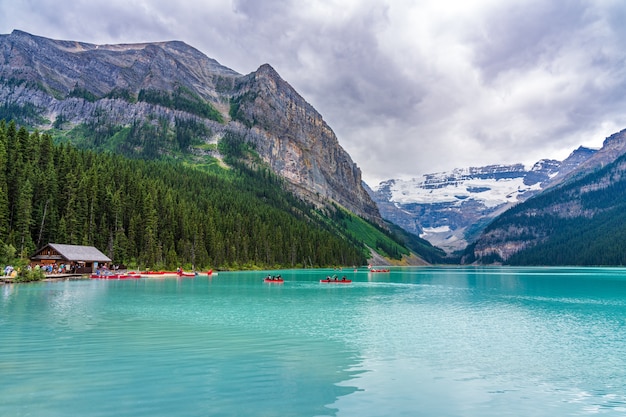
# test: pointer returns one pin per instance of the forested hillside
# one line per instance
(157, 214)
(580, 223)
(168, 100)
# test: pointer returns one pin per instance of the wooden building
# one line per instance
(77, 259)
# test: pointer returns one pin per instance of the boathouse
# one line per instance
(80, 259)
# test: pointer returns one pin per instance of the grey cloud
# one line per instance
(409, 87)
(524, 35)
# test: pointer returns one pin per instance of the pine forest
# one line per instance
(156, 214)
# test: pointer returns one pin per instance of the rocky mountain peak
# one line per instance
(62, 66)
(266, 70)
(73, 84)
(451, 208)
(612, 147)
(299, 144)
(542, 171)
(583, 160)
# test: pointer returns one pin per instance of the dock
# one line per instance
(49, 277)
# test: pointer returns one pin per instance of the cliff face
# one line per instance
(65, 84)
(297, 142)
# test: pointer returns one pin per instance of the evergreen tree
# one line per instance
(23, 237)
(4, 191)
(156, 213)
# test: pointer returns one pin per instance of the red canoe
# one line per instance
(337, 281)
(274, 280)
(103, 276)
(126, 276)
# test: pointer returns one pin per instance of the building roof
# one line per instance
(75, 253)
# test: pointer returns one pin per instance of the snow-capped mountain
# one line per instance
(449, 208)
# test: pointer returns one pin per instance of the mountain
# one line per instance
(168, 100)
(450, 209)
(581, 220)
(584, 161)
(158, 214)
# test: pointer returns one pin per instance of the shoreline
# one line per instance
(49, 278)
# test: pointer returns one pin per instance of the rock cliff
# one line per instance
(297, 143)
(49, 83)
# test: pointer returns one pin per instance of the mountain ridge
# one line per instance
(67, 84)
(580, 221)
(451, 208)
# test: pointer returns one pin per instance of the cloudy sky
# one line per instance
(409, 86)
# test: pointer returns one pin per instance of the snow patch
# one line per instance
(491, 192)
(440, 229)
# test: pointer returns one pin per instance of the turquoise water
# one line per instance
(413, 342)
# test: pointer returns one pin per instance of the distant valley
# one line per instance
(451, 209)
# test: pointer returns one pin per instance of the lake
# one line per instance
(425, 341)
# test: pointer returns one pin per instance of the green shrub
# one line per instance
(29, 275)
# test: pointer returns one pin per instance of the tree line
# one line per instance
(155, 214)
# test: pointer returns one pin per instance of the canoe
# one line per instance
(274, 281)
(339, 281)
(186, 274)
(127, 276)
(379, 270)
(103, 276)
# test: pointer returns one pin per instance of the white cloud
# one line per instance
(408, 86)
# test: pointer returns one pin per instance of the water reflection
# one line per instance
(490, 342)
(416, 341)
(228, 348)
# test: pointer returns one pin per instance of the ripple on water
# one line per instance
(456, 342)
